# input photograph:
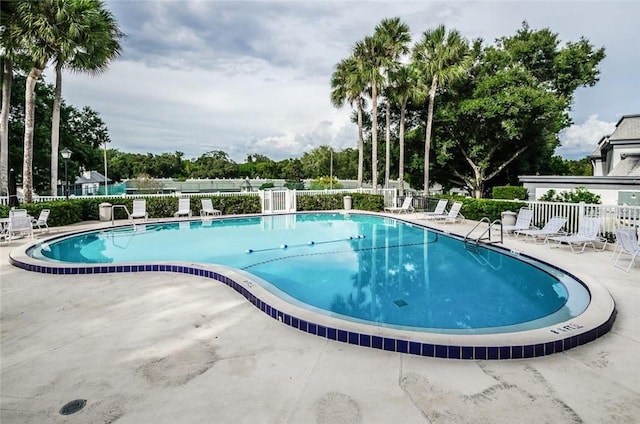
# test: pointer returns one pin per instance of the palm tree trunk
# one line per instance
(388, 145)
(401, 136)
(4, 126)
(374, 137)
(427, 142)
(360, 146)
(55, 130)
(29, 113)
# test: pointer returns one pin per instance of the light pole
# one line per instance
(66, 154)
(106, 185)
(331, 167)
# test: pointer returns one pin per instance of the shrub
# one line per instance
(267, 185)
(368, 202)
(294, 185)
(510, 192)
(580, 194)
(476, 209)
(324, 183)
(325, 202)
(65, 212)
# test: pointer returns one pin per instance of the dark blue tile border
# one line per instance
(516, 352)
(344, 336)
(376, 342)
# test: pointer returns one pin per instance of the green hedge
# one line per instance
(62, 212)
(510, 192)
(65, 212)
(78, 210)
(325, 202)
(476, 209)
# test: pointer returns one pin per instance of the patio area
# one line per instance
(169, 348)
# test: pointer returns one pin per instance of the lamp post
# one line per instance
(331, 166)
(106, 184)
(66, 154)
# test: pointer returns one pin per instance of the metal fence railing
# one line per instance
(613, 216)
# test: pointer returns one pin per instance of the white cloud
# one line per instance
(579, 140)
(253, 76)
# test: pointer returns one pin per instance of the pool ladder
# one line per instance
(471, 244)
(113, 215)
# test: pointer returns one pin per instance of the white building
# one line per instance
(618, 154)
(616, 169)
(88, 183)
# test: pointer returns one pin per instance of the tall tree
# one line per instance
(36, 30)
(9, 48)
(86, 38)
(83, 130)
(442, 58)
(215, 164)
(371, 56)
(507, 116)
(348, 85)
(395, 38)
(317, 162)
(404, 87)
(508, 113)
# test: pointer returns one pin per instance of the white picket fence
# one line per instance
(39, 199)
(272, 201)
(613, 216)
(278, 201)
(284, 201)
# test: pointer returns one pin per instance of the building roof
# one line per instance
(88, 177)
(629, 166)
(627, 128)
(597, 153)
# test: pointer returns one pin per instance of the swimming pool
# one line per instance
(363, 269)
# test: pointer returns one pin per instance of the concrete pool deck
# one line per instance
(168, 348)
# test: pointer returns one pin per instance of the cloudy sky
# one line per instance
(253, 76)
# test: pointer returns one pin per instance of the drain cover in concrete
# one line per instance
(73, 407)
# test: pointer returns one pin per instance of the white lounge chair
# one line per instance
(553, 227)
(207, 208)
(627, 241)
(587, 234)
(441, 209)
(42, 219)
(523, 222)
(405, 208)
(452, 216)
(19, 224)
(184, 208)
(139, 209)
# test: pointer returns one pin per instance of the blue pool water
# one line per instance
(359, 267)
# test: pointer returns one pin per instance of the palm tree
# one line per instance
(347, 85)
(442, 58)
(395, 38)
(8, 52)
(404, 87)
(371, 58)
(86, 40)
(35, 31)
